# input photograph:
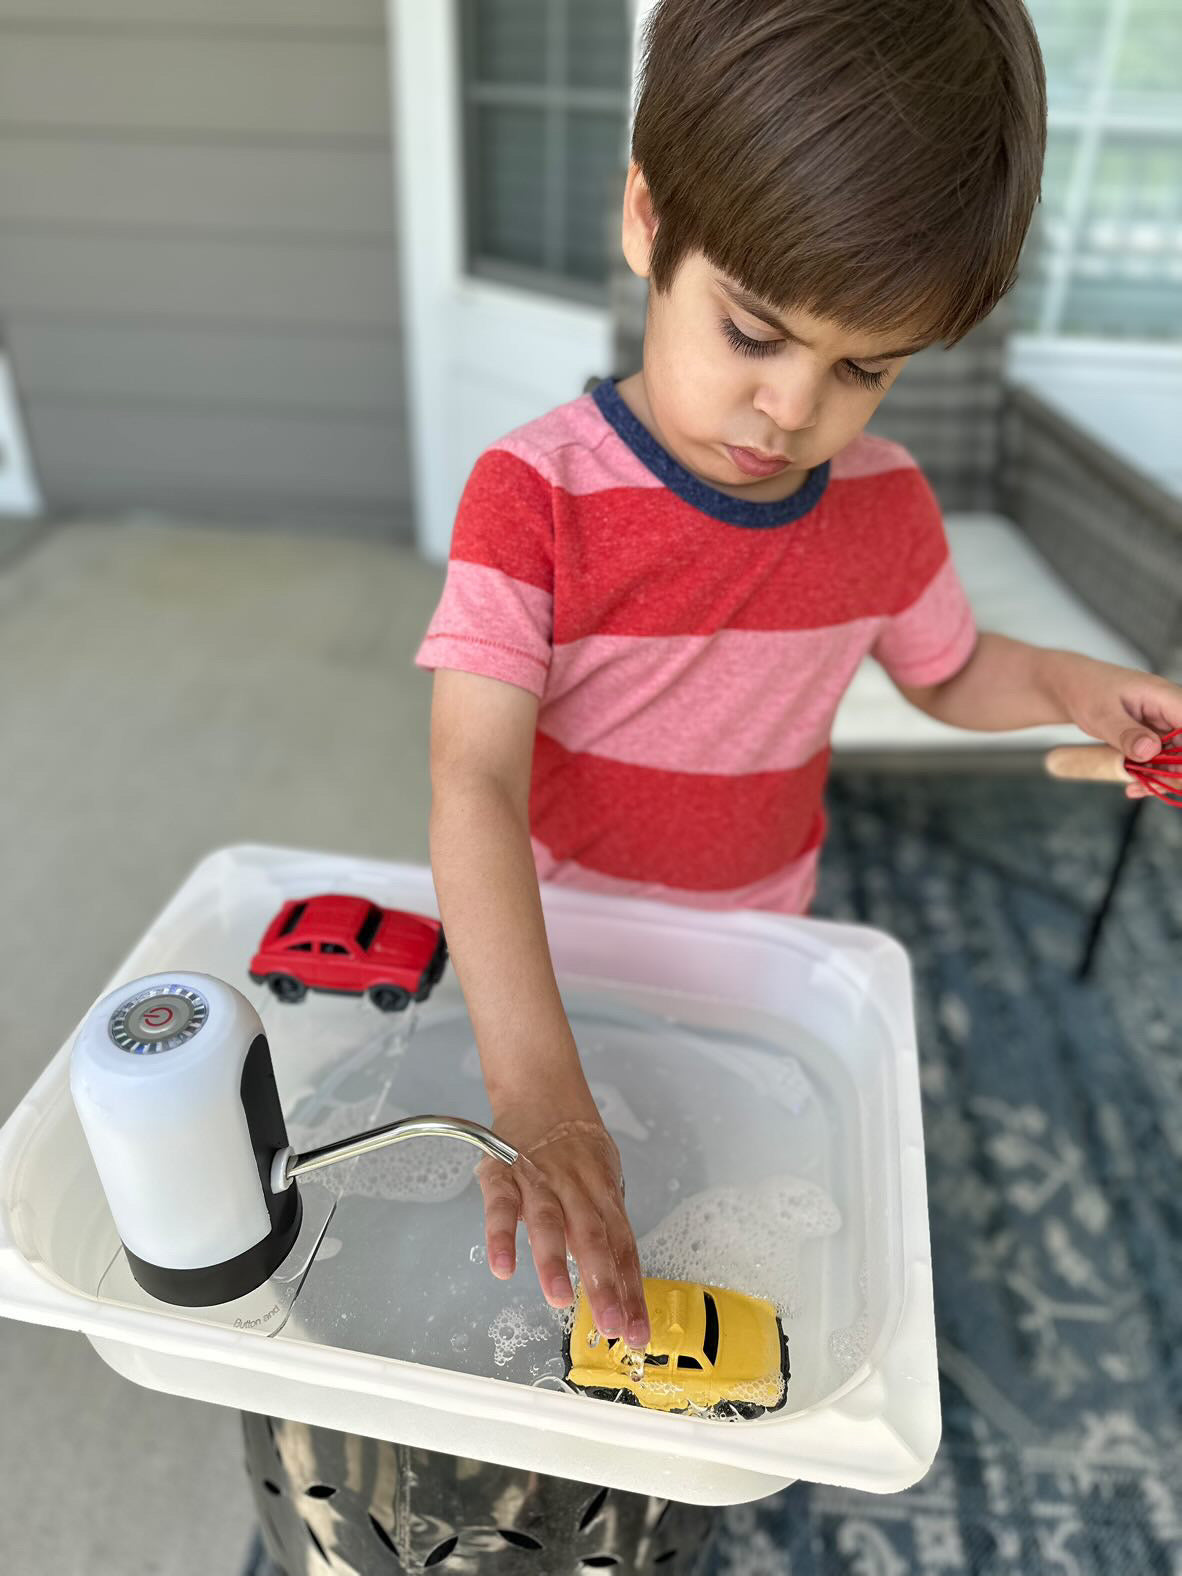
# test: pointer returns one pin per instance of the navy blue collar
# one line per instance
(720, 505)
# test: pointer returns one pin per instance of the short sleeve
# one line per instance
(496, 614)
(932, 632)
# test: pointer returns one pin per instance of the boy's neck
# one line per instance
(633, 392)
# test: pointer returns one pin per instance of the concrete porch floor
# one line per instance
(169, 689)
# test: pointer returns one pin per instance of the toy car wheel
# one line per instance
(390, 998)
(285, 987)
(427, 983)
(438, 962)
(748, 1410)
(602, 1393)
(785, 1367)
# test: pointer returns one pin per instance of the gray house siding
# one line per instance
(198, 268)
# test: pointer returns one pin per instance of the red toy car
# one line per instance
(350, 945)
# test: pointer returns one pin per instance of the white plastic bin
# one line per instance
(751, 990)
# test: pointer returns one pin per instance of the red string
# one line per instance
(1160, 774)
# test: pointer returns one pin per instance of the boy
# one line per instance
(658, 592)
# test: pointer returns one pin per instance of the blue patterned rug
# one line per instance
(1053, 1122)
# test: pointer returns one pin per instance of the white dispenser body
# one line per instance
(171, 1078)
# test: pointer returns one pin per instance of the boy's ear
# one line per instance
(639, 224)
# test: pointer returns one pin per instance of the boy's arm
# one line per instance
(1011, 684)
(569, 1188)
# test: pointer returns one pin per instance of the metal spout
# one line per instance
(289, 1165)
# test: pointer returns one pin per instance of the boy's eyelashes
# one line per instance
(764, 347)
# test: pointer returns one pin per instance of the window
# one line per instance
(1104, 255)
(293, 919)
(369, 927)
(545, 101)
(335, 948)
(299, 946)
(710, 1338)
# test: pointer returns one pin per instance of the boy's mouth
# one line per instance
(754, 463)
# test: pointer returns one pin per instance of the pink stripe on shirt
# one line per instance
(867, 455)
(933, 638)
(672, 701)
(577, 453)
(489, 622)
(789, 891)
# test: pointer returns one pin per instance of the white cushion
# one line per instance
(1013, 592)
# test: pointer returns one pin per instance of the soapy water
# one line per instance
(740, 1160)
(756, 1232)
(513, 1328)
(849, 1346)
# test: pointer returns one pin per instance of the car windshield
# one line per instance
(710, 1338)
(369, 926)
(292, 920)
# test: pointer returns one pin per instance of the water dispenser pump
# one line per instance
(172, 1080)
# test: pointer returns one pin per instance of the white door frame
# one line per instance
(480, 357)
(20, 494)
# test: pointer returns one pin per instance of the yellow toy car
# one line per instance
(711, 1350)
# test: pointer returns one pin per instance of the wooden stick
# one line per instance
(1095, 763)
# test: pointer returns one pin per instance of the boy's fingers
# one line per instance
(622, 1300)
(636, 1327)
(597, 1267)
(547, 1239)
(1136, 743)
(502, 1208)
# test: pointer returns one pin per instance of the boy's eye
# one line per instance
(747, 347)
(764, 347)
(870, 380)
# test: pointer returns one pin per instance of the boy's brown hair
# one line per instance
(874, 162)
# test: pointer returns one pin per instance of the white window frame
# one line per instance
(1092, 122)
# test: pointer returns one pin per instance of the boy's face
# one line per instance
(725, 372)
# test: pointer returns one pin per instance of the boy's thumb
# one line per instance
(1133, 741)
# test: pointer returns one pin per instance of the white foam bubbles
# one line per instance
(788, 1082)
(512, 1330)
(746, 1239)
(849, 1345)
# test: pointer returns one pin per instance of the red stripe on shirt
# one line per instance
(637, 560)
(685, 829)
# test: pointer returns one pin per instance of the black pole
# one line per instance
(1128, 832)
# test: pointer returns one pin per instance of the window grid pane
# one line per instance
(508, 168)
(1114, 266)
(597, 45)
(1070, 33)
(1149, 66)
(592, 170)
(545, 97)
(507, 39)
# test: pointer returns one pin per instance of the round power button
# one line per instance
(158, 1019)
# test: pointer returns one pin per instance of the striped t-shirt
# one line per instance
(688, 648)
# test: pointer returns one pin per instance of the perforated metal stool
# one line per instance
(341, 1502)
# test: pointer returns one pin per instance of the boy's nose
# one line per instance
(792, 404)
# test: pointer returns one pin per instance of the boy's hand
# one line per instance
(1124, 708)
(568, 1188)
